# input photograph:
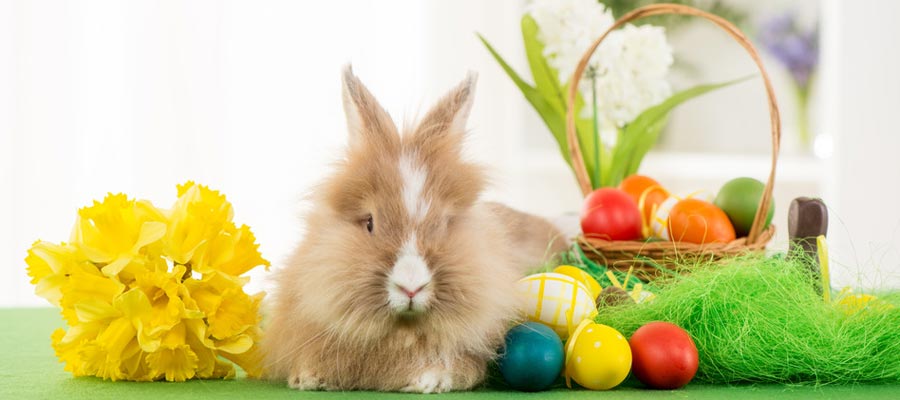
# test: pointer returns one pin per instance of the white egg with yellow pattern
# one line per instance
(556, 300)
(659, 224)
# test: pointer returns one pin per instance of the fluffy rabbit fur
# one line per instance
(404, 281)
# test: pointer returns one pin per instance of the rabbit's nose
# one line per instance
(410, 292)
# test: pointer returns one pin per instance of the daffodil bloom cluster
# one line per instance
(151, 294)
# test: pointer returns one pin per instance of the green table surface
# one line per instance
(31, 371)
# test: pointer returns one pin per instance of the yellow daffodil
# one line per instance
(103, 356)
(250, 361)
(168, 298)
(233, 252)
(150, 294)
(86, 285)
(112, 232)
(228, 309)
(199, 215)
(68, 345)
(48, 266)
(202, 234)
(174, 359)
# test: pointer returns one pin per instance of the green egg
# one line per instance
(739, 199)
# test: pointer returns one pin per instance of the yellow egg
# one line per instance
(556, 300)
(580, 276)
(597, 357)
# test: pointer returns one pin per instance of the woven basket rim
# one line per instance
(641, 246)
(653, 260)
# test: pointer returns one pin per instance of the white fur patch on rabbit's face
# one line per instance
(408, 285)
(414, 176)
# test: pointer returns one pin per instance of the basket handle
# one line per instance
(659, 9)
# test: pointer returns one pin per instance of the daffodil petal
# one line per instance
(148, 339)
(93, 309)
(150, 232)
(112, 269)
(236, 344)
(222, 370)
(176, 364)
(84, 283)
(198, 330)
(50, 288)
(250, 361)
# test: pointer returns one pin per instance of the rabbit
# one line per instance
(404, 281)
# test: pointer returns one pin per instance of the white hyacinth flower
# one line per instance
(567, 28)
(629, 68)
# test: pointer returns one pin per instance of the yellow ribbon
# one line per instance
(822, 252)
(646, 221)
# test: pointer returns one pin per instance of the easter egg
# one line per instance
(581, 276)
(612, 296)
(556, 300)
(646, 192)
(597, 357)
(611, 214)
(660, 222)
(739, 199)
(698, 221)
(532, 358)
(663, 355)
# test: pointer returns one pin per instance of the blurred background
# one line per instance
(138, 96)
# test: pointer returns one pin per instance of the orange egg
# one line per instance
(698, 221)
(646, 192)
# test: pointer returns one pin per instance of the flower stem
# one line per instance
(597, 141)
(803, 115)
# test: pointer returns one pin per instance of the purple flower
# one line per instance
(796, 49)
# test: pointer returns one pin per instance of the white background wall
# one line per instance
(137, 96)
(860, 109)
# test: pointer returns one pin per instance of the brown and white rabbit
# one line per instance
(404, 281)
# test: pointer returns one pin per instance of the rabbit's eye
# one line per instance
(370, 225)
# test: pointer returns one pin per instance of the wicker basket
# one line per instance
(645, 257)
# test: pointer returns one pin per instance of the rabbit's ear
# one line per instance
(367, 122)
(448, 118)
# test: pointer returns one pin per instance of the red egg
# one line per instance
(611, 214)
(663, 356)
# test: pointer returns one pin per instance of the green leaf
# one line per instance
(639, 136)
(548, 97)
(643, 145)
(526, 89)
(546, 79)
(553, 118)
(584, 130)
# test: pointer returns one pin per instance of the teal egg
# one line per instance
(533, 357)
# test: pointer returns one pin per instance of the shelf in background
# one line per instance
(790, 168)
(705, 166)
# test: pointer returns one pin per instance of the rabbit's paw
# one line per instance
(431, 381)
(305, 381)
